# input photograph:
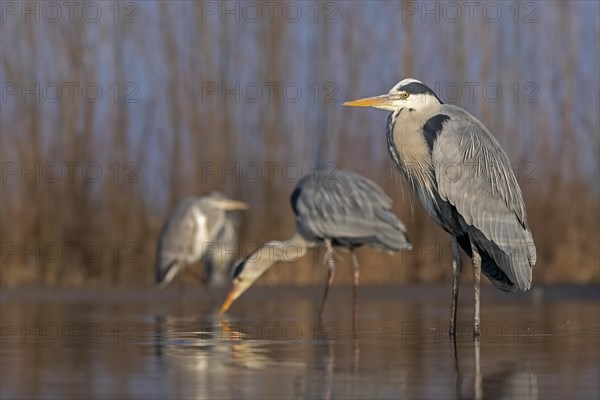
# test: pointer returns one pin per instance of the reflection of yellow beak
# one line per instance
(382, 100)
(232, 205)
(233, 294)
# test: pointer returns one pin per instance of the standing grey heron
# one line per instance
(464, 181)
(197, 228)
(337, 208)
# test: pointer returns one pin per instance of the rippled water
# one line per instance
(150, 344)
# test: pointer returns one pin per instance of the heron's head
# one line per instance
(238, 284)
(220, 201)
(246, 271)
(408, 93)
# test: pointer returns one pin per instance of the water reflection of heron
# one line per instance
(337, 208)
(510, 382)
(320, 383)
(202, 359)
(198, 228)
(464, 180)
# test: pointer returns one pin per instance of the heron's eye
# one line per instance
(404, 95)
(237, 269)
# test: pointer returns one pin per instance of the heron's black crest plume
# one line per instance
(418, 88)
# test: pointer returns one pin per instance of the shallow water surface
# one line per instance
(151, 344)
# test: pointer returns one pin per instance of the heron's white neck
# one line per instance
(408, 147)
(275, 252)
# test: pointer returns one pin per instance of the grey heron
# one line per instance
(337, 208)
(464, 180)
(198, 227)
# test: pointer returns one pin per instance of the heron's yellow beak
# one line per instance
(232, 205)
(376, 101)
(233, 294)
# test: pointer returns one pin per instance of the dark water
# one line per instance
(150, 344)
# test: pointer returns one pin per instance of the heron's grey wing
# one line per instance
(473, 173)
(221, 257)
(177, 242)
(349, 208)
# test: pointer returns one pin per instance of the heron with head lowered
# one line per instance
(337, 208)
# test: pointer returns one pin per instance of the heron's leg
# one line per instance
(476, 284)
(456, 270)
(355, 267)
(356, 347)
(330, 251)
(331, 273)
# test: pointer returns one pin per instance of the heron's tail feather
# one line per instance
(165, 272)
(392, 233)
(495, 274)
(489, 267)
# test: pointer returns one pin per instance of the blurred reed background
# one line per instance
(109, 119)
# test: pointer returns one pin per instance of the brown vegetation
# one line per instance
(185, 133)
